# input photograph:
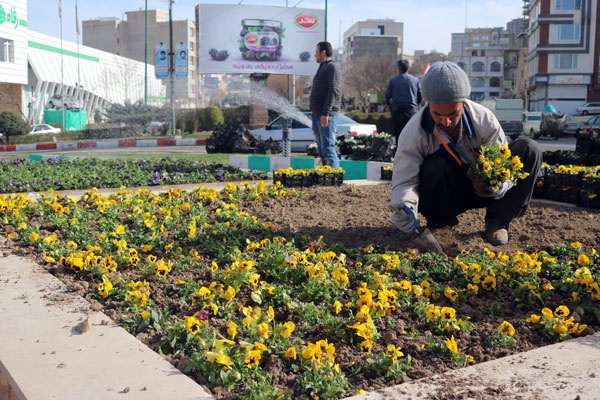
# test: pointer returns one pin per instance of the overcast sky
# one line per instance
(428, 24)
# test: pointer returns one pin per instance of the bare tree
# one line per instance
(419, 65)
(130, 82)
(368, 75)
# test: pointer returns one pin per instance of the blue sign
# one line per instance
(181, 60)
(161, 61)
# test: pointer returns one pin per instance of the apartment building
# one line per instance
(128, 38)
(373, 36)
(490, 57)
(562, 58)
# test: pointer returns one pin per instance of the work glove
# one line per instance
(405, 219)
(484, 189)
(496, 192)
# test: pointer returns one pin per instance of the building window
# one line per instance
(567, 32)
(6, 50)
(483, 52)
(568, 5)
(494, 95)
(477, 96)
(478, 66)
(478, 82)
(494, 82)
(473, 53)
(566, 61)
(462, 65)
(495, 67)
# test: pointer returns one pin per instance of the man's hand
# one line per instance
(324, 121)
(405, 219)
(483, 188)
(497, 192)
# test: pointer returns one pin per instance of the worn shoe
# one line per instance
(496, 232)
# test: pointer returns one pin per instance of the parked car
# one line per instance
(572, 125)
(57, 102)
(591, 125)
(301, 135)
(589, 108)
(43, 128)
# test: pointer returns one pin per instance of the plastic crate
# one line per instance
(558, 187)
(294, 180)
(589, 193)
(332, 179)
(386, 174)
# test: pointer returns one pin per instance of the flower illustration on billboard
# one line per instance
(260, 39)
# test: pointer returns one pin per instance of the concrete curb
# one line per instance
(353, 170)
(44, 356)
(103, 144)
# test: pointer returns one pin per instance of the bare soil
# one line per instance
(357, 216)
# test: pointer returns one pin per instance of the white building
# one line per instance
(96, 77)
(36, 66)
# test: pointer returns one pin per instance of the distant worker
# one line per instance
(403, 95)
(325, 103)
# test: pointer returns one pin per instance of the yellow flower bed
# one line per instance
(231, 297)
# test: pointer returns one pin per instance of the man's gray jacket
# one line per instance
(326, 92)
(479, 128)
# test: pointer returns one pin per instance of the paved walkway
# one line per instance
(55, 346)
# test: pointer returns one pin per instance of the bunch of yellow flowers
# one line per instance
(496, 165)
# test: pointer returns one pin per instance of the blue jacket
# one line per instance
(403, 92)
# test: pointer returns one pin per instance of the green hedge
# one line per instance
(383, 121)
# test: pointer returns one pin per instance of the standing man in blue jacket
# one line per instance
(325, 103)
(403, 95)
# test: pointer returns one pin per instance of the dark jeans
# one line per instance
(400, 118)
(446, 191)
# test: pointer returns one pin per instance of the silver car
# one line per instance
(56, 102)
(589, 108)
(301, 135)
(573, 125)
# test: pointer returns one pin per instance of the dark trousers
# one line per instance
(400, 117)
(445, 191)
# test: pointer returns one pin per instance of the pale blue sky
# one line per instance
(427, 23)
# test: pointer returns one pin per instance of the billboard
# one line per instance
(244, 39)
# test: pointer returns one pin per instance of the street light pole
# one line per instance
(146, 54)
(325, 20)
(172, 66)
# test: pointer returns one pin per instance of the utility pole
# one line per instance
(172, 66)
(146, 54)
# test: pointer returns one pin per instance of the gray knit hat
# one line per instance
(445, 82)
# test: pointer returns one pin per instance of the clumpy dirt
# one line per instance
(359, 216)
